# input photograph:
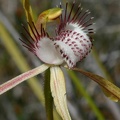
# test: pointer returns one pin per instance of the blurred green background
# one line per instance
(25, 101)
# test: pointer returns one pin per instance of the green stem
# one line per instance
(48, 96)
(82, 91)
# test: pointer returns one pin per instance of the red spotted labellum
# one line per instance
(71, 43)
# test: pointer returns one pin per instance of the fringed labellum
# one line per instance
(71, 43)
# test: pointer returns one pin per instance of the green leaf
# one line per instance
(58, 90)
(109, 89)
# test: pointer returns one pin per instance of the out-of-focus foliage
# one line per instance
(21, 103)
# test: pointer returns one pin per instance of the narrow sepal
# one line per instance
(28, 12)
(110, 90)
(19, 79)
(58, 90)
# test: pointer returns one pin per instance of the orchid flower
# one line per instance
(70, 43)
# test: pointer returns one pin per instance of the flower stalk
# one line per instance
(48, 96)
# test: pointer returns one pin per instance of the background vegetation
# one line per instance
(85, 99)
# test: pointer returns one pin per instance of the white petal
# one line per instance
(73, 44)
(46, 51)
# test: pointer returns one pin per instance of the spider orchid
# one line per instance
(71, 43)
